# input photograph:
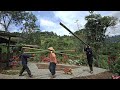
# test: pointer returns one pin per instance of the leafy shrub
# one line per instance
(36, 58)
(80, 62)
(77, 62)
(116, 67)
(70, 61)
(103, 61)
(10, 72)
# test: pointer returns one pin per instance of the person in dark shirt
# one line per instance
(0, 53)
(23, 58)
(89, 55)
(0, 50)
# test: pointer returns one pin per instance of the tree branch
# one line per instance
(4, 24)
(105, 28)
(4, 20)
(10, 19)
(1, 23)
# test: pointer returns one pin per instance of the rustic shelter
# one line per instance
(5, 38)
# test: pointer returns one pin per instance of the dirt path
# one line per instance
(45, 74)
(103, 75)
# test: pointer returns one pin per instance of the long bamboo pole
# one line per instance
(43, 49)
(57, 52)
(72, 33)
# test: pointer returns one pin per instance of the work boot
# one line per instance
(30, 76)
(91, 72)
(21, 75)
(53, 76)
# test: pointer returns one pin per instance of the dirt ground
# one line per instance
(104, 75)
(58, 67)
(40, 71)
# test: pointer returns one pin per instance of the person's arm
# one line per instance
(55, 59)
(29, 55)
(84, 49)
(90, 51)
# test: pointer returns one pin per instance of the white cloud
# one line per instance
(13, 28)
(1, 27)
(104, 13)
(69, 18)
(115, 31)
(44, 22)
(53, 27)
(116, 14)
(58, 30)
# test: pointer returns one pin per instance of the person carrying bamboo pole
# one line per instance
(0, 53)
(89, 55)
(53, 62)
(23, 58)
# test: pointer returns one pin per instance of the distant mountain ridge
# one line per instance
(113, 39)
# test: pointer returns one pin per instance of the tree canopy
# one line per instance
(26, 19)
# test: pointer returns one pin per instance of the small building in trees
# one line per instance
(6, 41)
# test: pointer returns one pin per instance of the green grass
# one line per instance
(10, 72)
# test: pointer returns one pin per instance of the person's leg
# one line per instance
(90, 62)
(28, 70)
(91, 68)
(53, 67)
(22, 70)
(50, 67)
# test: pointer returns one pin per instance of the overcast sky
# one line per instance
(49, 21)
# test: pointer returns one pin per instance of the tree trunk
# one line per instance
(8, 52)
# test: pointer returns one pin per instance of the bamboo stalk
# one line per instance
(72, 33)
(37, 52)
(57, 52)
(31, 48)
(43, 49)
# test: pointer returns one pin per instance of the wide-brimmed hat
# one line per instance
(51, 48)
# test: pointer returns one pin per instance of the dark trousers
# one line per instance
(25, 67)
(90, 62)
(52, 68)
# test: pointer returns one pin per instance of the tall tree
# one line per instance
(17, 18)
(96, 27)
